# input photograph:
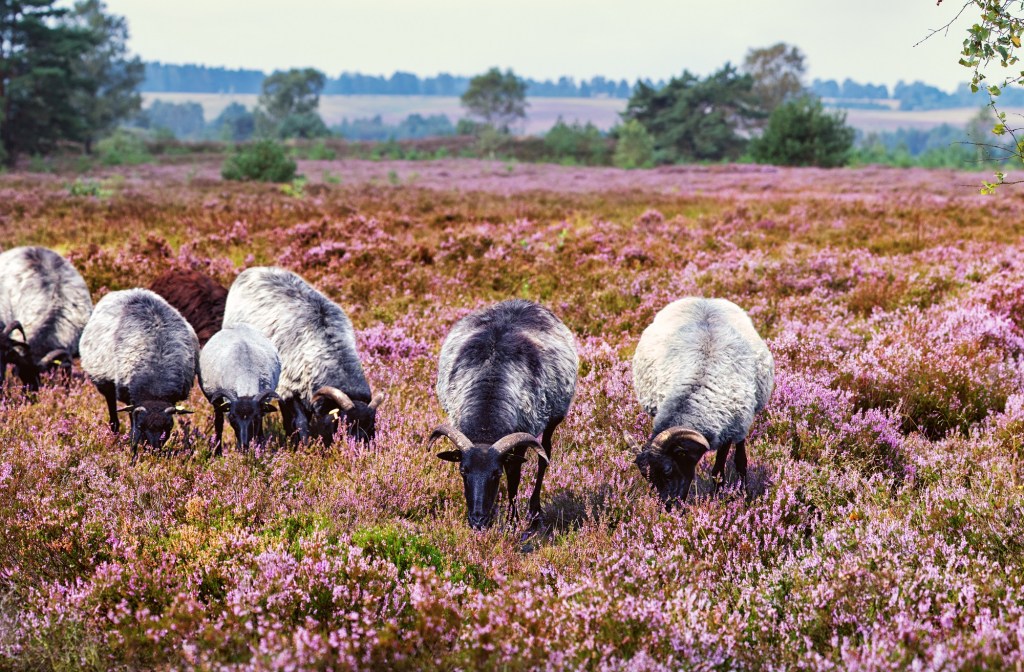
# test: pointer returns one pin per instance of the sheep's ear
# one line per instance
(450, 455)
(179, 410)
(222, 403)
(334, 413)
(127, 409)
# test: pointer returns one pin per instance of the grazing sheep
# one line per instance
(239, 369)
(138, 349)
(43, 298)
(702, 372)
(321, 376)
(198, 297)
(506, 375)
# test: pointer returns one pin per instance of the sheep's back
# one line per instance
(139, 342)
(313, 335)
(45, 293)
(239, 361)
(513, 364)
(198, 297)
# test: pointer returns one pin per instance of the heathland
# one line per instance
(881, 527)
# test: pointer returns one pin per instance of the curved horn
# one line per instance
(507, 444)
(674, 435)
(335, 395)
(377, 400)
(455, 436)
(15, 326)
(266, 396)
(59, 357)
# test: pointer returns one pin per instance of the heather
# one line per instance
(881, 527)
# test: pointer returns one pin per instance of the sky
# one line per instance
(869, 41)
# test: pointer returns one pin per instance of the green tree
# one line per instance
(802, 133)
(694, 119)
(262, 161)
(498, 99)
(109, 78)
(235, 123)
(778, 73)
(634, 147)
(576, 143)
(39, 77)
(288, 104)
(994, 40)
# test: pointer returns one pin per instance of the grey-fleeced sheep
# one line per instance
(139, 350)
(239, 370)
(507, 374)
(44, 298)
(321, 375)
(703, 372)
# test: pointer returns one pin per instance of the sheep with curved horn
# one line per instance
(506, 375)
(45, 299)
(137, 349)
(239, 369)
(702, 372)
(322, 380)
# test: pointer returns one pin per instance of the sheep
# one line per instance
(506, 375)
(137, 349)
(702, 372)
(198, 297)
(45, 299)
(239, 370)
(321, 375)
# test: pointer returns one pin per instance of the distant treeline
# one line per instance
(165, 78)
(914, 96)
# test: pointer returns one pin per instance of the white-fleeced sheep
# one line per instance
(137, 349)
(239, 371)
(702, 372)
(321, 376)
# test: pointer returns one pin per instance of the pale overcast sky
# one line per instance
(866, 40)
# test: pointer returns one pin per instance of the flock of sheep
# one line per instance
(506, 375)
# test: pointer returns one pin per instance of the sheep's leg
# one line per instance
(218, 431)
(542, 467)
(740, 459)
(718, 471)
(110, 395)
(513, 474)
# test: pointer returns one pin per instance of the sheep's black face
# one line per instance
(480, 467)
(151, 424)
(246, 418)
(360, 421)
(670, 474)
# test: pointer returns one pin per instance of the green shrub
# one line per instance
(123, 148)
(802, 133)
(635, 146)
(262, 161)
(576, 144)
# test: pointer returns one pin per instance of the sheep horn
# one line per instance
(335, 395)
(59, 357)
(455, 436)
(377, 400)
(507, 444)
(674, 435)
(266, 397)
(15, 326)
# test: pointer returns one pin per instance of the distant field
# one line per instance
(543, 112)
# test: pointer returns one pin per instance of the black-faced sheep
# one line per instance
(239, 370)
(321, 375)
(507, 374)
(43, 298)
(198, 297)
(139, 350)
(702, 372)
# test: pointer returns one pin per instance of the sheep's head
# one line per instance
(245, 415)
(669, 461)
(331, 406)
(152, 422)
(481, 465)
